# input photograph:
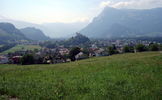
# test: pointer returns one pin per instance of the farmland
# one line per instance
(132, 76)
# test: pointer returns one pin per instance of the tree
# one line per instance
(112, 50)
(141, 48)
(27, 59)
(153, 47)
(40, 60)
(36, 50)
(86, 51)
(127, 49)
(73, 52)
(161, 47)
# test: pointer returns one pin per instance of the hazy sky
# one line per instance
(44, 11)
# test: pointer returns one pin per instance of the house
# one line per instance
(16, 59)
(94, 46)
(68, 60)
(3, 60)
(99, 52)
(64, 51)
(80, 56)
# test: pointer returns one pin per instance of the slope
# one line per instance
(126, 76)
(125, 23)
(34, 34)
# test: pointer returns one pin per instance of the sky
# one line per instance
(65, 11)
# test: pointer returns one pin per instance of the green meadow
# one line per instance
(21, 47)
(135, 76)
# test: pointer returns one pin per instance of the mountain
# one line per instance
(54, 30)
(125, 23)
(8, 32)
(34, 34)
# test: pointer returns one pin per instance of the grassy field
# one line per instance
(21, 47)
(120, 77)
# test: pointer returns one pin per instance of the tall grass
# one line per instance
(119, 77)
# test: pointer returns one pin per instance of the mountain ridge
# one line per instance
(34, 34)
(114, 22)
(53, 29)
(8, 32)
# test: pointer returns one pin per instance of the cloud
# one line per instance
(106, 3)
(134, 4)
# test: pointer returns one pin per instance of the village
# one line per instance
(61, 53)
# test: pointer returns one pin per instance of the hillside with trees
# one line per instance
(34, 34)
(8, 32)
(78, 40)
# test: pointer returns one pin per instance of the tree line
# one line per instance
(137, 48)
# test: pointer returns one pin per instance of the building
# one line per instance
(3, 60)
